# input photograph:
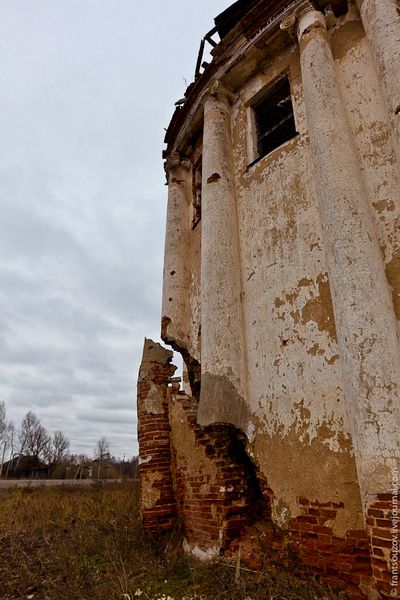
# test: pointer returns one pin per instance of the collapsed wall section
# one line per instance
(217, 490)
(199, 477)
(203, 481)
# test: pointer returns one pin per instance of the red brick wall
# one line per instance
(242, 516)
(309, 545)
(343, 563)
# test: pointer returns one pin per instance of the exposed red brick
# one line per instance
(303, 501)
(339, 562)
(235, 503)
(381, 532)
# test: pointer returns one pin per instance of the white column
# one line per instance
(176, 279)
(365, 320)
(223, 379)
(381, 21)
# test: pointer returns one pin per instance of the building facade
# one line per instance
(282, 293)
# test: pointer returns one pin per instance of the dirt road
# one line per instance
(11, 483)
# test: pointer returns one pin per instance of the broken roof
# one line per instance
(226, 20)
(231, 15)
(243, 20)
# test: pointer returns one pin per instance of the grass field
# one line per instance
(88, 544)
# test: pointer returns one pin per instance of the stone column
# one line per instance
(176, 278)
(223, 381)
(365, 320)
(381, 21)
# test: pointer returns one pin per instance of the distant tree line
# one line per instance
(50, 454)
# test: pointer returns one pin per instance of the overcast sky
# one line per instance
(86, 89)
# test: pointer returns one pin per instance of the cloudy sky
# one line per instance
(86, 89)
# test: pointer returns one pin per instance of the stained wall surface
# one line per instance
(284, 299)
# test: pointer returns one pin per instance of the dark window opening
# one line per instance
(274, 118)
(196, 187)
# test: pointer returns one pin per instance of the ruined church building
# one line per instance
(281, 291)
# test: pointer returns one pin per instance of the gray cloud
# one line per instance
(86, 88)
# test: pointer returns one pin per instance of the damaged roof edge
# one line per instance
(245, 20)
(226, 20)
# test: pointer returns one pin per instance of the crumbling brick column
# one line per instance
(157, 497)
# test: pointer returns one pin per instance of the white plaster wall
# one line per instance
(293, 358)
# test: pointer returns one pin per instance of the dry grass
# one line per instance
(88, 544)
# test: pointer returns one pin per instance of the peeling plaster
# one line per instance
(203, 555)
(150, 494)
(280, 514)
(154, 401)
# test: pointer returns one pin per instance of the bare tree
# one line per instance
(102, 448)
(11, 434)
(3, 434)
(33, 436)
(7, 436)
(101, 452)
(57, 450)
(59, 447)
(3, 422)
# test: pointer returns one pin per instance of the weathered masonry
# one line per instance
(282, 293)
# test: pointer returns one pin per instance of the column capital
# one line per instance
(292, 22)
(175, 161)
(217, 91)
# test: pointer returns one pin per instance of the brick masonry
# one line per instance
(310, 545)
(342, 562)
(202, 479)
(217, 494)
